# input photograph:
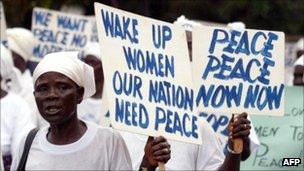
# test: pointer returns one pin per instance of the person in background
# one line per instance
(298, 74)
(21, 42)
(95, 108)
(15, 112)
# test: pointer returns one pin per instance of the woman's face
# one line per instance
(57, 97)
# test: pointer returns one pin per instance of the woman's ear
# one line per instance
(80, 92)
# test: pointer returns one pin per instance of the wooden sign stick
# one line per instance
(161, 166)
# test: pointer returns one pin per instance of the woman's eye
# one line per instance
(63, 87)
(42, 89)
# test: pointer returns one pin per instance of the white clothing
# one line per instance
(15, 122)
(92, 48)
(21, 41)
(6, 62)
(98, 149)
(94, 110)
(26, 92)
(184, 156)
(68, 64)
(8, 71)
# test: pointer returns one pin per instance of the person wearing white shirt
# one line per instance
(15, 113)
(21, 42)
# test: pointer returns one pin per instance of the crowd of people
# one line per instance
(65, 99)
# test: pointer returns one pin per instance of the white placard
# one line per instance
(238, 71)
(58, 31)
(147, 75)
(3, 24)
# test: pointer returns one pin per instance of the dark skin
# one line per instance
(155, 147)
(239, 127)
(156, 150)
(298, 75)
(19, 62)
(57, 97)
(98, 73)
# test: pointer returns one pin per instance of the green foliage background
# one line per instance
(281, 15)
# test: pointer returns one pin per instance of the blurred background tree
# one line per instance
(280, 15)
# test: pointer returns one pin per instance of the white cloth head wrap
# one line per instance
(6, 62)
(92, 48)
(186, 23)
(21, 41)
(299, 61)
(300, 44)
(8, 71)
(236, 25)
(68, 64)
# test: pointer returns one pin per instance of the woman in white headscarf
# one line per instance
(15, 113)
(61, 81)
(21, 42)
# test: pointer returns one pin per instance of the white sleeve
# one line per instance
(120, 157)
(254, 140)
(22, 126)
(210, 155)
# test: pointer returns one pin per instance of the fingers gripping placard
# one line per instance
(147, 75)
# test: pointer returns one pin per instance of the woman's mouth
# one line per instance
(52, 110)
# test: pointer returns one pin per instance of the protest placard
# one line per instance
(238, 71)
(3, 24)
(147, 75)
(280, 137)
(58, 31)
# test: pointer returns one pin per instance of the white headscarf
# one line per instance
(92, 48)
(299, 61)
(238, 25)
(68, 64)
(21, 41)
(300, 44)
(6, 63)
(8, 71)
(186, 23)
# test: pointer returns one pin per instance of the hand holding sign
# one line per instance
(157, 150)
(239, 130)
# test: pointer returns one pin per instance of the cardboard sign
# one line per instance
(57, 31)
(147, 75)
(238, 70)
(280, 137)
(3, 24)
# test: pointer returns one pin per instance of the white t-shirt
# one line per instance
(15, 122)
(184, 156)
(94, 110)
(98, 149)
